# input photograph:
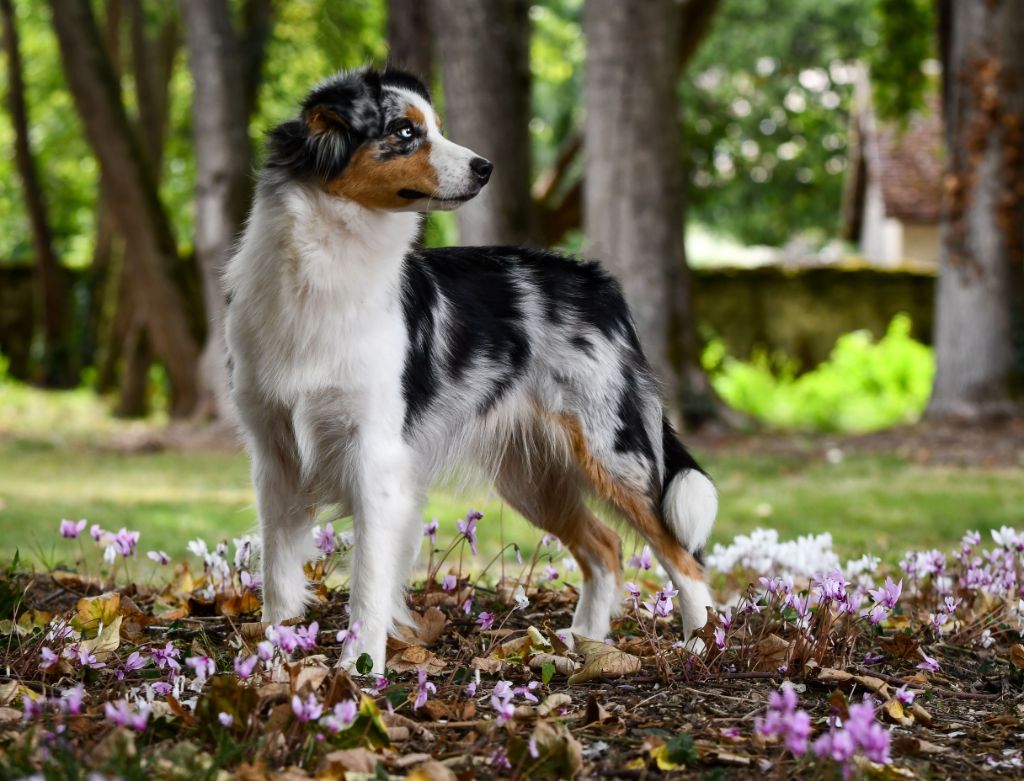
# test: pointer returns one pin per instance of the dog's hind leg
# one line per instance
(545, 487)
(653, 509)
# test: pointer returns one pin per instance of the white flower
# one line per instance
(197, 547)
(110, 554)
(519, 595)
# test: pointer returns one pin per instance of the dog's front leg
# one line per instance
(385, 533)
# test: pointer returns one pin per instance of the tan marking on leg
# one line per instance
(638, 508)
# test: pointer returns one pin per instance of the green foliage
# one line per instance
(864, 385)
(906, 39)
(766, 104)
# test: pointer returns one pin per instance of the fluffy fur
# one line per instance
(364, 370)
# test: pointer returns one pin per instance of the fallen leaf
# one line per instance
(900, 646)
(772, 653)
(416, 657)
(431, 770)
(603, 661)
(553, 702)
(1017, 656)
(559, 754)
(336, 764)
(563, 665)
(893, 708)
(92, 612)
(106, 641)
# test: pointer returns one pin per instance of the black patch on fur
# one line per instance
(699, 555)
(419, 305)
(631, 436)
(393, 77)
(677, 457)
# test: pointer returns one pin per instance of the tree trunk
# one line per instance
(220, 121)
(980, 280)
(485, 72)
(633, 188)
(410, 46)
(51, 296)
(134, 196)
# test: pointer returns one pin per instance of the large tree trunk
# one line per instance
(222, 66)
(485, 72)
(633, 187)
(51, 297)
(980, 278)
(634, 191)
(134, 196)
(410, 45)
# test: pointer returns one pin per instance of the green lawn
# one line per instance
(56, 465)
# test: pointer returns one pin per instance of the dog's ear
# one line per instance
(337, 116)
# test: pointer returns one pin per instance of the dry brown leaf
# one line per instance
(336, 764)
(305, 678)
(563, 664)
(900, 646)
(431, 770)
(603, 661)
(253, 631)
(553, 702)
(1017, 656)
(893, 708)
(772, 653)
(487, 665)
(832, 675)
(416, 657)
(905, 744)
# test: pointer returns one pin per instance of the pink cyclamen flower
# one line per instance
(159, 556)
(784, 720)
(467, 606)
(349, 636)
(501, 701)
(662, 604)
(324, 538)
(888, 594)
(905, 695)
(720, 638)
(449, 582)
(225, 719)
(430, 530)
(526, 692)
(265, 650)
(166, 657)
(343, 715)
(48, 657)
(306, 636)
(485, 620)
(244, 667)
(929, 664)
(87, 658)
(471, 689)
(31, 709)
(71, 700)
(643, 561)
(123, 715)
(306, 710)
(467, 528)
(204, 667)
(551, 572)
(633, 593)
(96, 532)
(284, 637)
(423, 690)
(124, 542)
(71, 529)
(135, 661)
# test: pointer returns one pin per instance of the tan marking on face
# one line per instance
(637, 507)
(374, 183)
(415, 115)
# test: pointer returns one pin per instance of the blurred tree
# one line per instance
(51, 296)
(410, 44)
(485, 73)
(981, 280)
(633, 190)
(134, 196)
(226, 66)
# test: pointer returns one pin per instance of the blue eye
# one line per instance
(405, 132)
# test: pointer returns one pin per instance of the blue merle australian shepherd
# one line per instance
(364, 370)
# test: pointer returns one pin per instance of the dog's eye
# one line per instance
(403, 129)
(405, 132)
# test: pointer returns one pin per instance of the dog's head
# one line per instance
(374, 138)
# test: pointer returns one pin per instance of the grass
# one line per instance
(54, 464)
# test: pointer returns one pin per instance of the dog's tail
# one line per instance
(689, 500)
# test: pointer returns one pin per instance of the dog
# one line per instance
(363, 369)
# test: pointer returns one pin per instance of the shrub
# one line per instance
(864, 385)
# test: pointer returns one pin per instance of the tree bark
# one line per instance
(222, 104)
(410, 46)
(485, 72)
(978, 295)
(134, 196)
(51, 296)
(633, 186)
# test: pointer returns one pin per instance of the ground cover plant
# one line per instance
(814, 667)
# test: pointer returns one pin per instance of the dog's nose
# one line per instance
(482, 168)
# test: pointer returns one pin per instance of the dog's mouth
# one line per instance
(416, 195)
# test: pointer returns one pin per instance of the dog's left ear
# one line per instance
(337, 116)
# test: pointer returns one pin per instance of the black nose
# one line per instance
(482, 168)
